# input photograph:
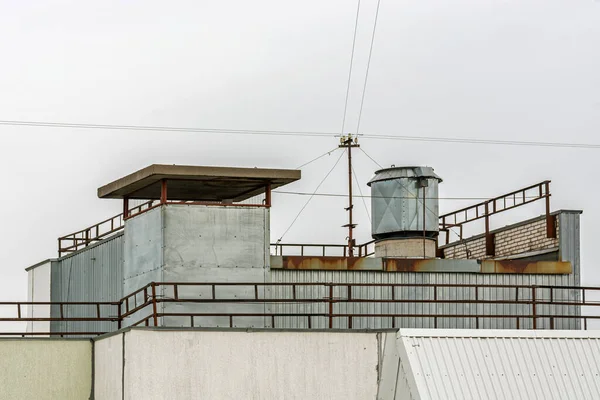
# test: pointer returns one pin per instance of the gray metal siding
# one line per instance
(92, 274)
(299, 276)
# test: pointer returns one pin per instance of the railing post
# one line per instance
(119, 318)
(330, 306)
(533, 307)
(550, 219)
(163, 191)
(125, 207)
(268, 195)
(154, 308)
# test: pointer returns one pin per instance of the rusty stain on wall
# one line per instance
(420, 265)
(525, 267)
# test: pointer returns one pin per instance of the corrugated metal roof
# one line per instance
(499, 364)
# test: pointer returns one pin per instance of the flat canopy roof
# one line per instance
(196, 183)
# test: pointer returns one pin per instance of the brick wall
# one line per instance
(510, 240)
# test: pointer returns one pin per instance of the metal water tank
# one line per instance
(404, 205)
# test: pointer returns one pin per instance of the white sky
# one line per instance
(511, 69)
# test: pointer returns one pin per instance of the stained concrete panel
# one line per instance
(216, 244)
(108, 367)
(250, 365)
(143, 255)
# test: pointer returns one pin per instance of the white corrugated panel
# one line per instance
(499, 364)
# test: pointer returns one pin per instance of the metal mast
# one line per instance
(348, 142)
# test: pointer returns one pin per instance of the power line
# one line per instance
(388, 197)
(285, 133)
(166, 129)
(361, 195)
(370, 158)
(482, 141)
(313, 195)
(350, 70)
(321, 156)
(362, 101)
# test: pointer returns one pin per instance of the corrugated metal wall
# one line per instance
(569, 248)
(293, 276)
(92, 274)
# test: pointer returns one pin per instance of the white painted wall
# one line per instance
(45, 369)
(38, 290)
(244, 365)
(108, 368)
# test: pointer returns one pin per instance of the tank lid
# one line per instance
(387, 174)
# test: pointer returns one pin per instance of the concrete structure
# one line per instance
(405, 364)
(404, 205)
(188, 364)
(195, 243)
(208, 225)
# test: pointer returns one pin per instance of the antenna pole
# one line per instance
(348, 142)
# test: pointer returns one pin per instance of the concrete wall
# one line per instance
(38, 290)
(108, 367)
(215, 244)
(143, 250)
(45, 369)
(164, 364)
(195, 243)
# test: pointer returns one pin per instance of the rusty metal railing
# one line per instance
(97, 232)
(537, 303)
(339, 250)
(25, 311)
(505, 202)
(325, 305)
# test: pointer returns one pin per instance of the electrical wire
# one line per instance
(310, 198)
(166, 129)
(362, 101)
(387, 197)
(482, 141)
(370, 158)
(430, 139)
(361, 195)
(315, 159)
(350, 69)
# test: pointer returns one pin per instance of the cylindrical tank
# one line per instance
(404, 205)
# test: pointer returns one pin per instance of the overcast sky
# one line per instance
(485, 69)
